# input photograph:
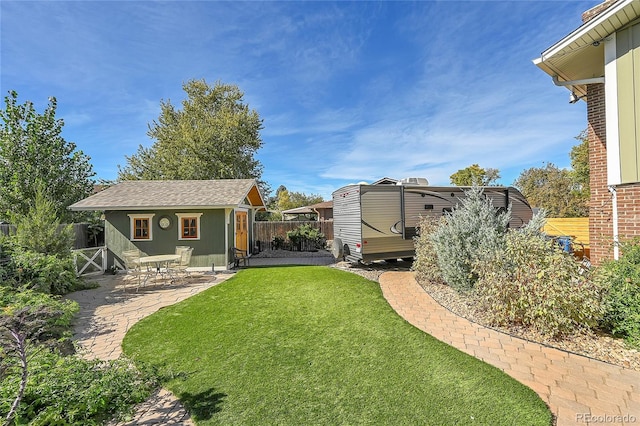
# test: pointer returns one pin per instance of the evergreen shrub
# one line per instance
(473, 229)
(40, 230)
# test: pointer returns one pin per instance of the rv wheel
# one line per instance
(337, 249)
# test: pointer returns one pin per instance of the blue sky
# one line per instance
(349, 91)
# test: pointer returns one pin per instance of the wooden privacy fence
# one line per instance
(266, 231)
(575, 227)
(81, 239)
(7, 229)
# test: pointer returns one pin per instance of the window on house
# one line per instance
(189, 228)
(140, 225)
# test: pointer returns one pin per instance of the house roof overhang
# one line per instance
(255, 198)
(580, 55)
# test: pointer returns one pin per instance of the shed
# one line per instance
(212, 216)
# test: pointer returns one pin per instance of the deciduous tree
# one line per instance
(475, 175)
(580, 169)
(214, 136)
(290, 200)
(33, 150)
(553, 189)
(561, 192)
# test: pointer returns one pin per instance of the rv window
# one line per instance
(428, 206)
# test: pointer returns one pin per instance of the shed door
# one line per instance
(242, 236)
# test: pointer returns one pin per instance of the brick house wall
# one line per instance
(601, 202)
(596, 10)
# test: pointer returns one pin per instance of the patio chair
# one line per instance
(239, 256)
(133, 268)
(180, 248)
(180, 267)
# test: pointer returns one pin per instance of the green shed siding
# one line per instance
(628, 81)
(209, 249)
(231, 230)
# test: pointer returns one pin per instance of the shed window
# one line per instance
(140, 225)
(189, 228)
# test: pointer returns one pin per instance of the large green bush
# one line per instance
(472, 230)
(73, 391)
(46, 273)
(621, 279)
(306, 238)
(36, 328)
(531, 282)
(38, 255)
(12, 300)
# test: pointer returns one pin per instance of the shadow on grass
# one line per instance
(203, 405)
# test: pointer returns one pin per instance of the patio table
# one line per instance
(160, 261)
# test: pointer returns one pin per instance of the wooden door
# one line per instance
(242, 232)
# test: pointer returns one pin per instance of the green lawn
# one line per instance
(315, 345)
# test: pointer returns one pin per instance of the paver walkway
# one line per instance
(107, 313)
(579, 390)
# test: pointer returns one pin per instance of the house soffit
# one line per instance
(254, 197)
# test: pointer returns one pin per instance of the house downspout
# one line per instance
(614, 202)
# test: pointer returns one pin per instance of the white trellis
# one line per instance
(90, 261)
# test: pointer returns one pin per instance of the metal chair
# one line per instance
(133, 268)
(182, 265)
(239, 256)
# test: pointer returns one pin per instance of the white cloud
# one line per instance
(348, 91)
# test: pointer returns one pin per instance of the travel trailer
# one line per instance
(378, 222)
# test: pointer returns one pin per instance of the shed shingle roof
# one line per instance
(159, 194)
